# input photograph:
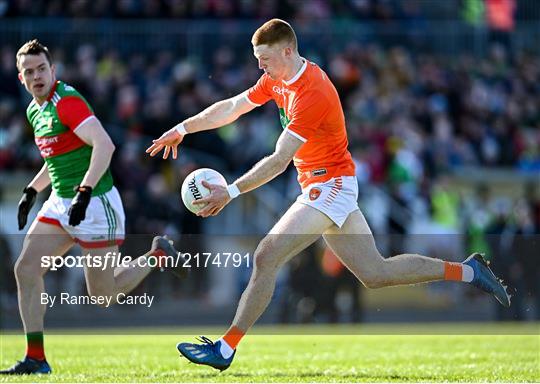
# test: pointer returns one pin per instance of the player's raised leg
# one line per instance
(42, 239)
(355, 246)
(298, 228)
(111, 281)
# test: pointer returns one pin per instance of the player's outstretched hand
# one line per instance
(25, 204)
(169, 140)
(77, 211)
(215, 201)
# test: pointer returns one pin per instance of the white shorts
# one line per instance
(336, 198)
(103, 226)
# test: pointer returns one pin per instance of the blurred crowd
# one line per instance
(382, 10)
(361, 9)
(411, 117)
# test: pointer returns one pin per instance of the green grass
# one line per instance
(318, 354)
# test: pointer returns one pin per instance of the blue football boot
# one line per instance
(28, 366)
(207, 353)
(486, 280)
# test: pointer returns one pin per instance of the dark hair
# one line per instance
(33, 47)
(275, 31)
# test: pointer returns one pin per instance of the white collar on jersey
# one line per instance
(298, 74)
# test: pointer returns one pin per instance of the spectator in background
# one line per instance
(500, 18)
(526, 271)
(445, 204)
(533, 200)
(478, 216)
(339, 280)
(8, 285)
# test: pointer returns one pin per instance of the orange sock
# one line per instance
(233, 337)
(453, 271)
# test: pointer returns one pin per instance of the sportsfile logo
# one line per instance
(181, 260)
(112, 260)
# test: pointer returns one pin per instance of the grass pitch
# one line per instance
(299, 354)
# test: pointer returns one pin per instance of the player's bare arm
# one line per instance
(93, 134)
(271, 166)
(217, 115)
(264, 171)
(38, 183)
(41, 180)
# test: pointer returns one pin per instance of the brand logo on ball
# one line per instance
(314, 193)
(194, 190)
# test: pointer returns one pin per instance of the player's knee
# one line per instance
(20, 270)
(26, 270)
(263, 261)
(265, 258)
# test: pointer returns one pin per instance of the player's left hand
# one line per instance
(77, 211)
(169, 140)
(215, 201)
(25, 205)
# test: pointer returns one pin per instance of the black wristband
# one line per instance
(83, 189)
(30, 191)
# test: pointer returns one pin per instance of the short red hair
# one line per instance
(275, 31)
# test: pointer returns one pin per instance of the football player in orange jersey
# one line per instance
(315, 138)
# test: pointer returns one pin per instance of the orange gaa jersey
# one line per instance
(310, 110)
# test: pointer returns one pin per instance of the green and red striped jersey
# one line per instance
(66, 155)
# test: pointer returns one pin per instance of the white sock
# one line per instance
(225, 349)
(467, 273)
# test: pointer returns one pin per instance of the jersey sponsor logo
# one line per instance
(68, 88)
(319, 172)
(46, 152)
(46, 145)
(280, 91)
(46, 140)
(58, 144)
(314, 193)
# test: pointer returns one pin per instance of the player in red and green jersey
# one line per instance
(84, 206)
(67, 156)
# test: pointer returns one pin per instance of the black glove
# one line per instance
(77, 211)
(25, 205)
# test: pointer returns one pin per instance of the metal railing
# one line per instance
(200, 37)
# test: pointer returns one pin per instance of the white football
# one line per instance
(192, 188)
